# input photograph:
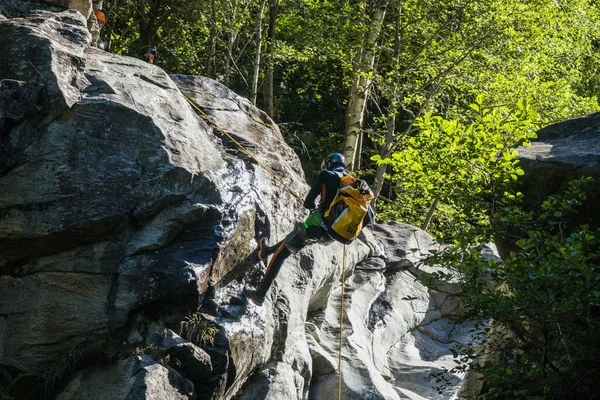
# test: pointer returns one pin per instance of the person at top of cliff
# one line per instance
(101, 19)
(313, 229)
(148, 54)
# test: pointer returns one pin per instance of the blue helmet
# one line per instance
(332, 161)
(148, 49)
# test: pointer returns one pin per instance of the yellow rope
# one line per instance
(341, 328)
(209, 119)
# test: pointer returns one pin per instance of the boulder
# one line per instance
(120, 196)
(83, 6)
(403, 244)
(102, 215)
(418, 359)
(383, 307)
(562, 152)
(192, 361)
(135, 378)
(275, 382)
(41, 73)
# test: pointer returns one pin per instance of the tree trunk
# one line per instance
(109, 14)
(254, 83)
(150, 14)
(430, 214)
(269, 107)
(212, 43)
(385, 152)
(359, 90)
(230, 43)
(391, 112)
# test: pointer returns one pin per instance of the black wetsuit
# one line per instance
(326, 185)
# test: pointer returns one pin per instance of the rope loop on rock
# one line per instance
(341, 327)
(211, 121)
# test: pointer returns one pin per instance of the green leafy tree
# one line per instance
(316, 44)
(460, 166)
(445, 52)
(543, 341)
(211, 38)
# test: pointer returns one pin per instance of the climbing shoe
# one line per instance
(252, 294)
(262, 247)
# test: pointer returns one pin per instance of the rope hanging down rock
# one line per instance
(211, 121)
(341, 327)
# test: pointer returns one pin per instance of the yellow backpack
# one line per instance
(345, 216)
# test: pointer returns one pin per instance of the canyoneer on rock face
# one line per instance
(342, 211)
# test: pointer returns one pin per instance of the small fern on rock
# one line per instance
(198, 330)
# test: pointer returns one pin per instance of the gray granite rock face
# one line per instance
(119, 201)
(83, 6)
(115, 193)
(384, 311)
(41, 73)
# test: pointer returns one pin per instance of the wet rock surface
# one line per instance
(128, 224)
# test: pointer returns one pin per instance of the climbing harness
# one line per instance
(211, 121)
(341, 327)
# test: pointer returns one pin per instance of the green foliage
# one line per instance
(436, 56)
(543, 303)
(198, 330)
(460, 165)
(508, 49)
(199, 37)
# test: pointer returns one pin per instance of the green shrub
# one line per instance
(543, 302)
(198, 330)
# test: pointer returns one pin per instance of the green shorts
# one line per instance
(310, 230)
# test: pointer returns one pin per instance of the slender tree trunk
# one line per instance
(152, 13)
(269, 106)
(354, 118)
(360, 87)
(212, 42)
(359, 143)
(269, 75)
(430, 213)
(230, 43)
(385, 152)
(254, 83)
(391, 111)
(109, 14)
(236, 21)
